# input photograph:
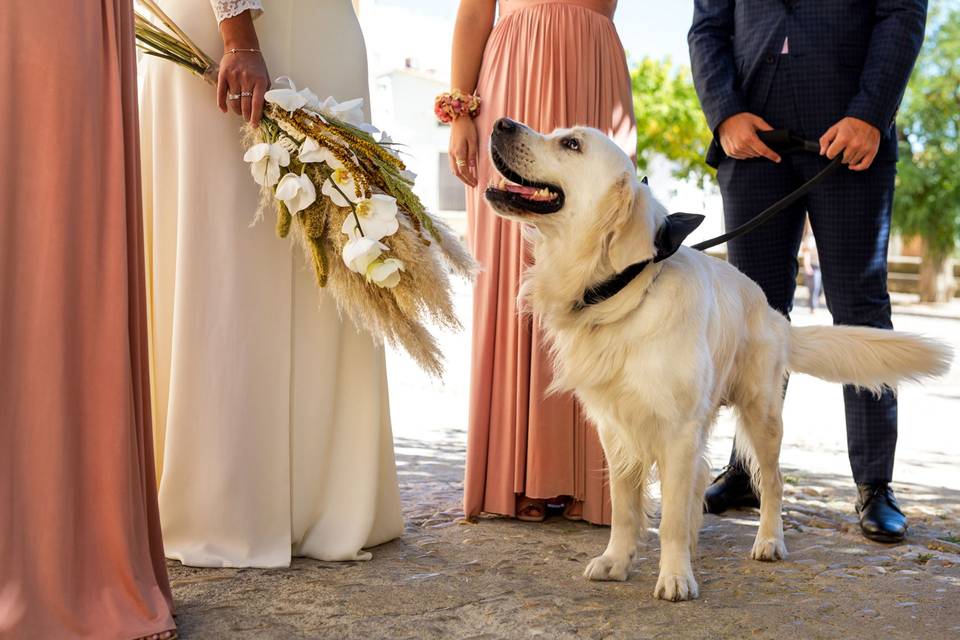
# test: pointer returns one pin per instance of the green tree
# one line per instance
(927, 201)
(670, 123)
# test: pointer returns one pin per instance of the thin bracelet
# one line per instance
(244, 51)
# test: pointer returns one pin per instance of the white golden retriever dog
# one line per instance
(653, 362)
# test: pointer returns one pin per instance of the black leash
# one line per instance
(678, 226)
(783, 142)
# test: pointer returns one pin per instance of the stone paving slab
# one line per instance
(501, 578)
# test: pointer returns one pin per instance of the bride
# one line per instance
(272, 418)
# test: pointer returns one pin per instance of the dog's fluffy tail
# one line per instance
(868, 358)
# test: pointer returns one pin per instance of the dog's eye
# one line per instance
(571, 143)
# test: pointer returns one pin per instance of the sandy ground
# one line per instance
(504, 579)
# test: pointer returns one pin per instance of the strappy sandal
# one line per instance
(573, 511)
(531, 510)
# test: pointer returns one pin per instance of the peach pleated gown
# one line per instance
(80, 548)
(549, 64)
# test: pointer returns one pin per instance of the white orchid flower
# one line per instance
(265, 161)
(350, 112)
(378, 218)
(340, 186)
(290, 99)
(311, 151)
(360, 251)
(385, 273)
(313, 101)
(297, 192)
(286, 99)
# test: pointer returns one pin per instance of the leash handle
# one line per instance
(785, 141)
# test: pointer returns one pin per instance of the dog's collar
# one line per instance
(670, 236)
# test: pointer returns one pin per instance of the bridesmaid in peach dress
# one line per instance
(549, 64)
(80, 548)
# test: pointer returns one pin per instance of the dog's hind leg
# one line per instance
(628, 521)
(764, 430)
(678, 463)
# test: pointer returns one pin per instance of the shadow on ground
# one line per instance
(500, 578)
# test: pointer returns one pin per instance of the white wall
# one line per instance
(403, 106)
(409, 62)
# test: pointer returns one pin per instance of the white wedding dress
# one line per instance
(271, 413)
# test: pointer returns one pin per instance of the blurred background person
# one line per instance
(810, 260)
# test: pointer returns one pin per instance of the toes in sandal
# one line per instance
(530, 510)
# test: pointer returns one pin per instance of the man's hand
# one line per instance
(858, 140)
(738, 137)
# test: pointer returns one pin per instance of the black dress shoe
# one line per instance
(881, 519)
(731, 490)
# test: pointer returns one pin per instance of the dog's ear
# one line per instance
(626, 235)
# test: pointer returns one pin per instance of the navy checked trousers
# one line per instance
(850, 215)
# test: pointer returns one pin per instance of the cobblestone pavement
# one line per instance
(505, 579)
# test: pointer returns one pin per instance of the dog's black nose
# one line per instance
(506, 125)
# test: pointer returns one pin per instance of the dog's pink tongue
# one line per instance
(529, 193)
(526, 192)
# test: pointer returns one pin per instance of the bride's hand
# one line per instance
(463, 150)
(243, 74)
(243, 77)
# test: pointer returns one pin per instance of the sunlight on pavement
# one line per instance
(431, 411)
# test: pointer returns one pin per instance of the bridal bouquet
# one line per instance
(345, 196)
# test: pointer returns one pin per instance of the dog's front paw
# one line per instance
(676, 587)
(608, 568)
(769, 550)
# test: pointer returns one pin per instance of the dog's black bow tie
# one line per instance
(670, 236)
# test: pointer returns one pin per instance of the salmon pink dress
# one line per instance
(80, 549)
(549, 64)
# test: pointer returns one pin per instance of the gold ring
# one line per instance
(460, 163)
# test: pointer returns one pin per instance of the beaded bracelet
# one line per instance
(456, 104)
(235, 51)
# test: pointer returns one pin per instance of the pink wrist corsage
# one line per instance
(456, 104)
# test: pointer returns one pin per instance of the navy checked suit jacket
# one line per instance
(847, 58)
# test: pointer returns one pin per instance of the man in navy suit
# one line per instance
(833, 70)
